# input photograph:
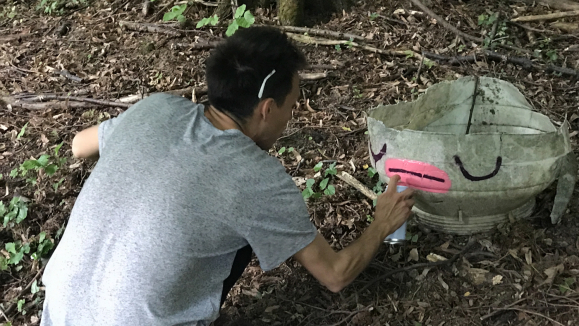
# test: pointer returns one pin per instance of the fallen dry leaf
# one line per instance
(498, 279)
(552, 272)
(413, 255)
(432, 257)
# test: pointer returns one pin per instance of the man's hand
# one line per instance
(86, 143)
(393, 208)
(336, 270)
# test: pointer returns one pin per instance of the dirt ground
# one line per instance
(523, 273)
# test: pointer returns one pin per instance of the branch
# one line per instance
(554, 15)
(322, 41)
(470, 243)
(322, 32)
(456, 31)
(347, 178)
(146, 27)
(520, 61)
(11, 308)
(560, 4)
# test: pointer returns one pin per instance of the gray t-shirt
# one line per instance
(156, 227)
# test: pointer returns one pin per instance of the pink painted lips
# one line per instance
(418, 175)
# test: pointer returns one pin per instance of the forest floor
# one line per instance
(523, 273)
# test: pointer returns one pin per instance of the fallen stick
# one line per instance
(44, 105)
(458, 32)
(560, 4)
(322, 32)
(527, 312)
(11, 308)
(146, 27)
(520, 61)
(554, 15)
(347, 178)
(321, 41)
(196, 46)
(10, 38)
(470, 243)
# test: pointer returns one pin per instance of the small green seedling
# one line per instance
(242, 18)
(43, 248)
(372, 172)
(22, 131)
(213, 20)
(34, 288)
(16, 250)
(566, 286)
(325, 186)
(350, 43)
(338, 48)
(17, 211)
(176, 13)
(373, 16)
(20, 306)
(411, 238)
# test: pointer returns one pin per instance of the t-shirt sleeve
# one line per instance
(105, 129)
(282, 226)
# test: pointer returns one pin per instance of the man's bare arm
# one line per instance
(336, 270)
(86, 143)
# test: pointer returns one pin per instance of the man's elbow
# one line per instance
(336, 284)
(76, 148)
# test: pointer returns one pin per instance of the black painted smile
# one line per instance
(420, 175)
(484, 177)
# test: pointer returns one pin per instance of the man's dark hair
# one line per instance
(236, 69)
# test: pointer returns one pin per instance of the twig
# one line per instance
(420, 68)
(347, 178)
(456, 31)
(560, 4)
(525, 311)
(527, 27)
(146, 27)
(205, 3)
(196, 46)
(161, 11)
(321, 41)
(470, 243)
(554, 15)
(520, 61)
(41, 98)
(322, 32)
(313, 75)
(68, 75)
(11, 308)
(494, 29)
(10, 38)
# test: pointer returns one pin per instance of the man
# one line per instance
(182, 194)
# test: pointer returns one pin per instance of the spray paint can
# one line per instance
(399, 236)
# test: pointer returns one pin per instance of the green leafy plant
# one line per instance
(17, 211)
(176, 13)
(48, 6)
(43, 248)
(45, 162)
(9, 12)
(20, 306)
(213, 20)
(16, 250)
(566, 286)
(338, 48)
(357, 92)
(241, 18)
(325, 186)
(411, 238)
(373, 15)
(428, 63)
(22, 131)
(350, 43)
(34, 288)
(486, 20)
(372, 172)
